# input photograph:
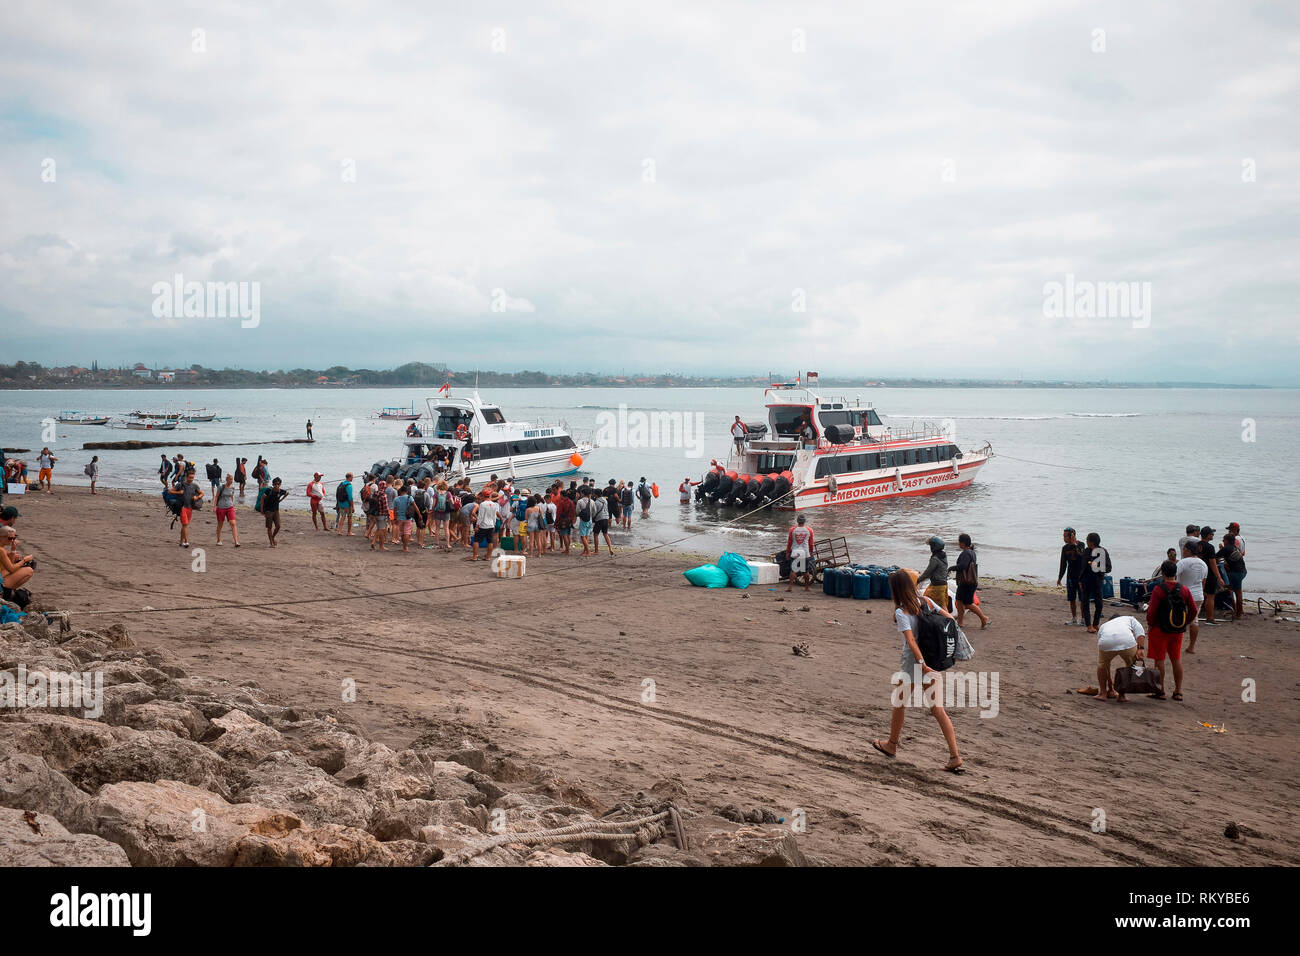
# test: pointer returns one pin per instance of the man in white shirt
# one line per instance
(738, 432)
(485, 526)
(1121, 637)
(1191, 575)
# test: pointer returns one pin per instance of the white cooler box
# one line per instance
(508, 565)
(765, 572)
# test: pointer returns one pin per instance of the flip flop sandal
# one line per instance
(1159, 696)
(960, 768)
(876, 744)
(1177, 697)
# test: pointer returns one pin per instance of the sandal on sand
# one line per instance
(1159, 696)
(1177, 696)
(955, 768)
(876, 744)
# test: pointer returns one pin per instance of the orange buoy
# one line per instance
(654, 490)
(575, 460)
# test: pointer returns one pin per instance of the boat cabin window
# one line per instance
(449, 418)
(788, 419)
(526, 446)
(493, 416)
(836, 418)
(841, 464)
(772, 462)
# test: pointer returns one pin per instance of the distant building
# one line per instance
(165, 376)
(140, 371)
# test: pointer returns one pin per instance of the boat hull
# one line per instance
(877, 486)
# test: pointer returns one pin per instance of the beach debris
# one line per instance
(836, 623)
(801, 649)
(805, 608)
(1217, 728)
(1232, 831)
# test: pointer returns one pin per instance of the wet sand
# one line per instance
(552, 668)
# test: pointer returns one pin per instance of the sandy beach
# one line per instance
(553, 668)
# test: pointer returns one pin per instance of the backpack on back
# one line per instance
(936, 636)
(341, 493)
(1171, 615)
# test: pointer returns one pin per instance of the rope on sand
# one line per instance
(642, 830)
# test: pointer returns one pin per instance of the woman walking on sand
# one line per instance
(936, 574)
(225, 508)
(908, 603)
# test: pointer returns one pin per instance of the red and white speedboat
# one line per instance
(827, 451)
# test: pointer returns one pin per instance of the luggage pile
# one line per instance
(861, 581)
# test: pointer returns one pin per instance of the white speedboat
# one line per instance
(481, 442)
(827, 451)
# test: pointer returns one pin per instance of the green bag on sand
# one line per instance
(706, 576)
(736, 569)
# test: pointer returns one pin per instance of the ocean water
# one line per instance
(1134, 465)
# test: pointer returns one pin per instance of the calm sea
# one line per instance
(1134, 465)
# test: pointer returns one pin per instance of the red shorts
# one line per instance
(226, 514)
(315, 505)
(185, 515)
(1158, 643)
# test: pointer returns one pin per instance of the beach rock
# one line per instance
(85, 646)
(750, 846)
(665, 854)
(61, 741)
(117, 636)
(330, 845)
(451, 837)
(284, 781)
(27, 782)
(127, 694)
(406, 819)
(38, 839)
(322, 743)
(121, 672)
(404, 775)
(169, 823)
(156, 755)
(36, 626)
(243, 738)
(558, 856)
(174, 717)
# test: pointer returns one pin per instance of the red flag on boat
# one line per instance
(445, 386)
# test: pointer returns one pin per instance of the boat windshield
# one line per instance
(787, 420)
(493, 416)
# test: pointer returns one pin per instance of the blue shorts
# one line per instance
(627, 511)
(1234, 580)
(1072, 588)
(584, 529)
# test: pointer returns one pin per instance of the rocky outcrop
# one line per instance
(184, 770)
(29, 838)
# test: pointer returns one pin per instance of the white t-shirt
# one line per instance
(737, 430)
(1119, 634)
(1192, 573)
(907, 622)
(487, 515)
(685, 489)
(800, 537)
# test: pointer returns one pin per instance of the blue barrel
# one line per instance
(1107, 587)
(1126, 589)
(862, 585)
(844, 584)
(828, 581)
(878, 584)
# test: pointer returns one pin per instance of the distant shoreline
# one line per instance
(824, 384)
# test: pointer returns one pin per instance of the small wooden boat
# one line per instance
(80, 418)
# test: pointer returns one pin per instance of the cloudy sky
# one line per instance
(877, 189)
